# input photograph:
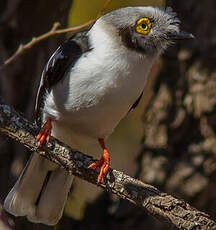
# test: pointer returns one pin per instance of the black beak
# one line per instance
(182, 35)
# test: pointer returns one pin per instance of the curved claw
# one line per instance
(104, 162)
(103, 170)
(45, 132)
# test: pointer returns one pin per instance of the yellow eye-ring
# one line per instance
(143, 26)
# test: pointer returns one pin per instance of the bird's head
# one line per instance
(147, 30)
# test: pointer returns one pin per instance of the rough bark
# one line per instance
(20, 20)
(175, 213)
(178, 153)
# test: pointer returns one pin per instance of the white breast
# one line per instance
(99, 91)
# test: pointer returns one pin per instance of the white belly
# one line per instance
(93, 98)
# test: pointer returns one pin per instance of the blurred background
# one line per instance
(169, 141)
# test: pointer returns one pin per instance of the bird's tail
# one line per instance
(40, 192)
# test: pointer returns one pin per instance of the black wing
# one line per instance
(136, 102)
(63, 58)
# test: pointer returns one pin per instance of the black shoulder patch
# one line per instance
(136, 102)
(62, 59)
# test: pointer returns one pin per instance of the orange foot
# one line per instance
(104, 162)
(45, 132)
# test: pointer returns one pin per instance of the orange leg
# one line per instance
(45, 132)
(104, 162)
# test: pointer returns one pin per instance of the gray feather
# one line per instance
(27, 197)
(86, 94)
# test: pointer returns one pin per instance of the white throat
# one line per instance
(102, 87)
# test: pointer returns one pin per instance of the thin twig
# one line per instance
(175, 213)
(22, 48)
(104, 8)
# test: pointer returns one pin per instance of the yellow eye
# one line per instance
(143, 26)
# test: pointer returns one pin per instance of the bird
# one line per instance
(87, 86)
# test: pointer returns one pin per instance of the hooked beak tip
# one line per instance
(182, 35)
(188, 36)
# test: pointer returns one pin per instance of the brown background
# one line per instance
(178, 149)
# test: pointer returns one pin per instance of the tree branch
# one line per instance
(22, 48)
(175, 213)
